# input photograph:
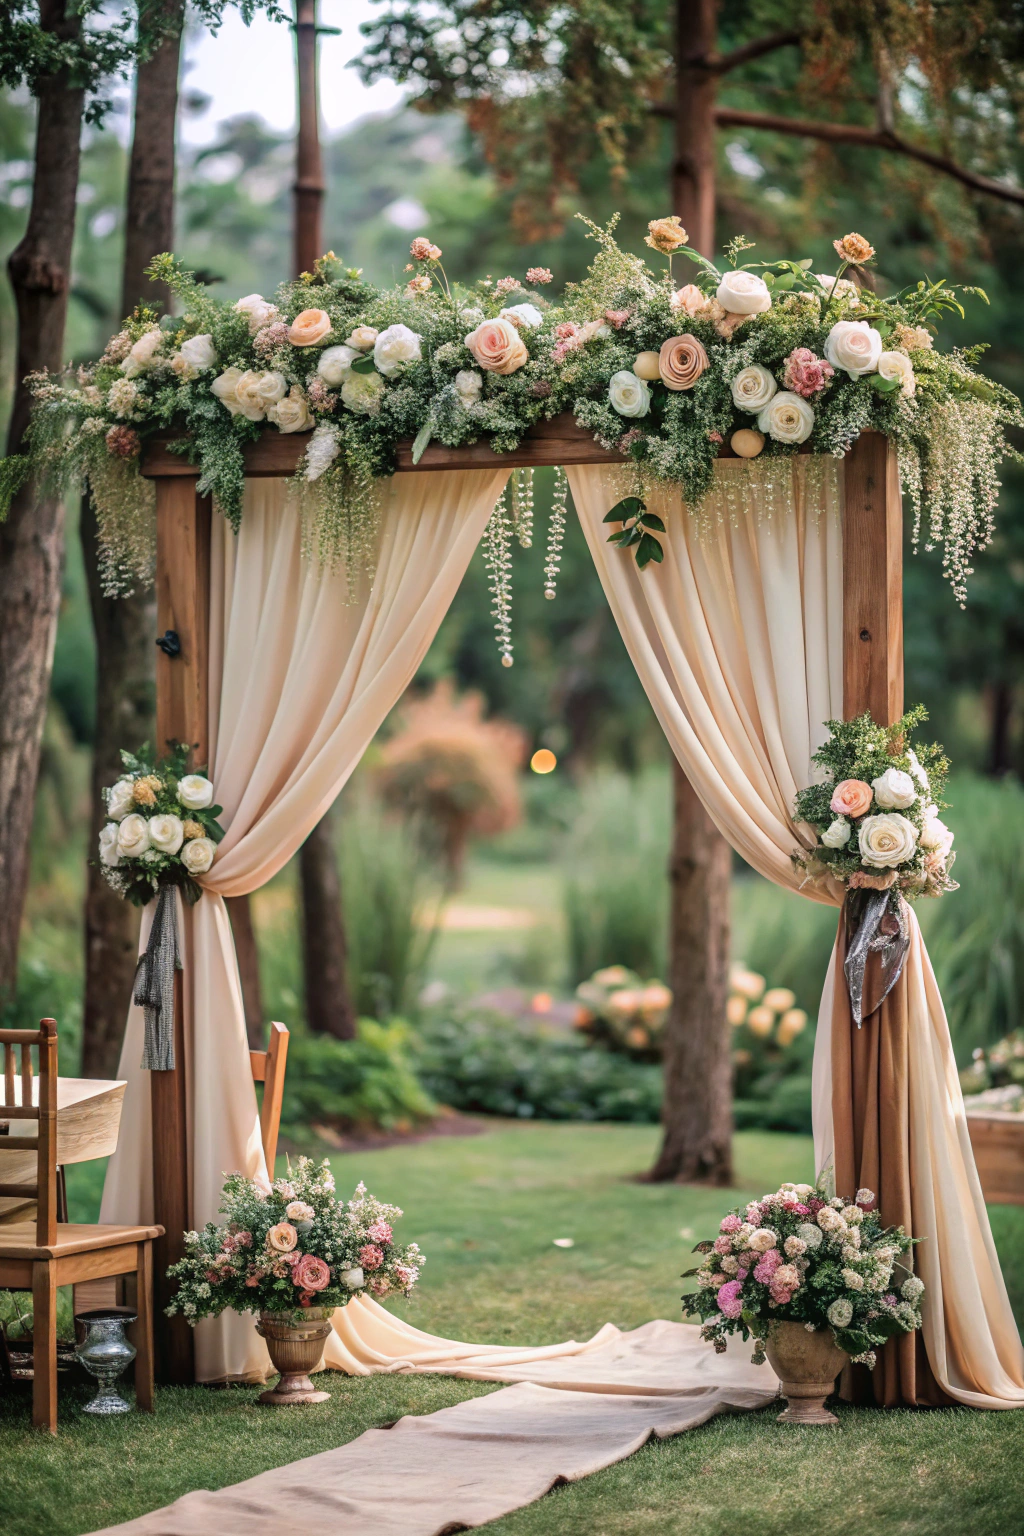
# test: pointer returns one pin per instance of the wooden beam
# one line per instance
(872, 581)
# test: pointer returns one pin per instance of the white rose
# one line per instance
(120, 800)
(787, 417)
(894, 789)
(223, 387)
(803, 1189)
(362, 391)
(845, 291)
(529, 314)
(917, 770)
(838, 834)
(936, 836)
(257, 389)
(886, 841)
(395, 349)
(195, 791)
(133, 836)
(351, 1278)
(762, 1239)
(197, 855)
(198, 352)
(743, 293)
(362, 338)
(896, 365)
(257, 311)
(108, 845)
(292, 413)
(628, 395)
(469, 385)
(855, 346)
(752, 388)
(142, 353)
(166, 833)
(336, 362)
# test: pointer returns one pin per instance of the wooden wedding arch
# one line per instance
(872, 680)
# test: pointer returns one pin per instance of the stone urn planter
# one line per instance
(807, 1365)
(296, 1342)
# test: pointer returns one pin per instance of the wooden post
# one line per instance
(309, 173)
(183, 615)
(872, 581)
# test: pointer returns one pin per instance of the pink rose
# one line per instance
(689, 299)
(371, 1256)
(283, 1237)
(851, 798)
(729, 1303)
(722, 1245)
(498, 346)
(806, 374)
(380, 1232)
(311, 1273)
(730, 1224)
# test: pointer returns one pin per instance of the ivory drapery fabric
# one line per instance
(301, 677)
(737, 638)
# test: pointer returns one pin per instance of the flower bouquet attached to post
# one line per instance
(292, 1252)
(796, 1263)
(875, 814)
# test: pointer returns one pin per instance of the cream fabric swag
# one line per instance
(737, 638)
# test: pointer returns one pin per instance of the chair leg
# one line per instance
(144, 1328)
(44, 1345)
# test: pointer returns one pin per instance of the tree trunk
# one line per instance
(32, 538)
(125, 627)
(697, 1108)
(240, 913)
(329, 1009)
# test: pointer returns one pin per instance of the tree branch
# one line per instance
(722, 63)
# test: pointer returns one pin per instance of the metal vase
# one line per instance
(106, 1353)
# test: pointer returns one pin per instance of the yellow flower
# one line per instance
(854, 248)
(144, 790)
(666, 235)
(192, 828)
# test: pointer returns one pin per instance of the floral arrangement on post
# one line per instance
(767, 355)
(162, 828)
(290, 1246)
(799, 1255)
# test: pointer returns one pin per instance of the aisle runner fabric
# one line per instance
(482, 1458)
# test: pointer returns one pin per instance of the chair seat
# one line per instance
(18, 1241)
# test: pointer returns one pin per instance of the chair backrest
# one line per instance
(29, 1106)
(268, 1068)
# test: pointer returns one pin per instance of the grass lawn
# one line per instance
(486, 1209)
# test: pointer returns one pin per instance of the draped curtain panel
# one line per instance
(737, 639)
(301, 678)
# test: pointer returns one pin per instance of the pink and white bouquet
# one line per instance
(292, 1244)
(800, 1255)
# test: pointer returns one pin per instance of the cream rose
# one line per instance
(352, 1278)
(108, 845)
(896, 365)
(787, 417)
(498, 347)
(199, 352)
(195, 791)
(887, 840)
(224, 387)
(854, 346)
(166, 833)
(257, 311)
(197, 855)
(361, 392)
(395, 349)
(762, 1239)
(292, 413)
(838, 834)
(256, 389)
(753, 388)
(142, 353)
(628, 394)
(309, 327)
(120, 799)
(133, 836)
(894, 790)
(936, 836)
(362, 338)
(744, 293)
(528, 314)
(335, 363)
(468, 386)
(298, 1210)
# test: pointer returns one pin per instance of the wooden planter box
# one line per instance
(997, 1137)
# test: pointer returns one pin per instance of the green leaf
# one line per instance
(883, 386)
(623, 510)
(362, 365)
(648, 549)
(785, 282)
(421, 439)
(653, 521)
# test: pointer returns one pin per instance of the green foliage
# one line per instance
(361, 1084)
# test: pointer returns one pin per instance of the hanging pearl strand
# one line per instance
(498, 560)
(556, 532)
(521, 482)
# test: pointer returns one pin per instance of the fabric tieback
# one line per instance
(154, 983)
(877, 941)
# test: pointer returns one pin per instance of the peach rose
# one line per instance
(851, 798)
(666, 235)
(689, 299)
(681, 361)
(283, 1237)
(498, 346)
(854, 248)
(309, 327)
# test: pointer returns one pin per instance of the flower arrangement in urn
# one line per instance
(801, 1260)
(162, 827)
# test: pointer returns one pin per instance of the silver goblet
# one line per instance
(105, 1353)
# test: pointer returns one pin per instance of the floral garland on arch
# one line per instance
(767, 356)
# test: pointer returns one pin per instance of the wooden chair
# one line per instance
(268, 1068)
(40, 1255)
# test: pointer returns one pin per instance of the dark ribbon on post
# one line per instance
(154, 983)
(877, 941)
